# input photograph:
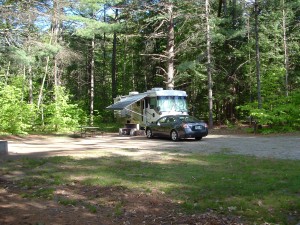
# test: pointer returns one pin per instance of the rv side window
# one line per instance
(146, 103)
(153, 103)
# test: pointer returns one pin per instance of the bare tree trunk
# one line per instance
(92, 88)
(234, 12)
(170, 48)
(55, 32)
(53, 38)
(104, 59)
(125, 79)
(104, 70)
(209, 73)
(23, 82)
(41, 90)
(257, 56)
(55, 72)
(43, 83)
(249, 58)
(7, 72)
(30, 84)
(113, 63)
(286, 55)
(225, 7)
(222, 5)
(133, 75)
(220, 8)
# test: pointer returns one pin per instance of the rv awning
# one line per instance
(127, 101)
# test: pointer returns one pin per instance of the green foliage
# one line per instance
(280, 114)
(15, 114)
(60, 114)
(35, 48)
(19, 56)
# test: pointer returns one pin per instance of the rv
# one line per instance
(147, 107)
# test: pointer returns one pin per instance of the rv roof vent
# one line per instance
(157, 89)
(133, 93)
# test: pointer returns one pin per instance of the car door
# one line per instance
(168, 126)
(158, 129)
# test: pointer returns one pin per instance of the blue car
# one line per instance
(177, 127)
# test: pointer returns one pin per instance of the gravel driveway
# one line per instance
(281, 147)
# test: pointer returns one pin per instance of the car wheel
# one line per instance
(174, 135)
(198, 138)
(149, 133)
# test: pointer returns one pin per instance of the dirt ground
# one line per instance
(118, 205)
(135, 208)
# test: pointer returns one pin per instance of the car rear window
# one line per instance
(189, 119)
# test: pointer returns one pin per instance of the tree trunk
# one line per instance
(208, 65)
(7, 72)
(234, 13)
(104, 92)
(113, 63)
(170, 49)
(92, 87)
(225, 7)
(125, 79)
(55, 32)
(23, 83)
(249, 59)
(30, 83)
(257, 56)
(286, 55)
(222, 5)
(43, 83)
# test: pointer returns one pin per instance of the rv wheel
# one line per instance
(149, 133)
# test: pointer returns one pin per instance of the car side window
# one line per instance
(171, 120)
(182, 119)
(163, 120)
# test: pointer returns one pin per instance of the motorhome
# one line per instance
(147, 107)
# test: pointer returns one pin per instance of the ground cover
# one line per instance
(178, 189)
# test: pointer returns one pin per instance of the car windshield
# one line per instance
(189, 119)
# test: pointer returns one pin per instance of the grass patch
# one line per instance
(258, 190)
(67, 201)
(73, 202)
(45, 193)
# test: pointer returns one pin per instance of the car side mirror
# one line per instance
(158, 123)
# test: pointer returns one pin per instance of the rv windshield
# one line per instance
(172, 103)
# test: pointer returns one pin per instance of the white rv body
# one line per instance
(147, 107)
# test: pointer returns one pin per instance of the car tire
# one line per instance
(174, 135)
(198, 138)
(149, 133)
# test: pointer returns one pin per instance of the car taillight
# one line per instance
(184, 126)
(205, 124)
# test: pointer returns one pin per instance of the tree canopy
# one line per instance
(63, 62)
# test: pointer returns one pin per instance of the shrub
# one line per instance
(15, 114)
(281, 114)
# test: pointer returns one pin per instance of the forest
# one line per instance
(62, 62)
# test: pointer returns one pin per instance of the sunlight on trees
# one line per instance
(61, 63)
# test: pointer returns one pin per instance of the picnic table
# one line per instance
(89, 130)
